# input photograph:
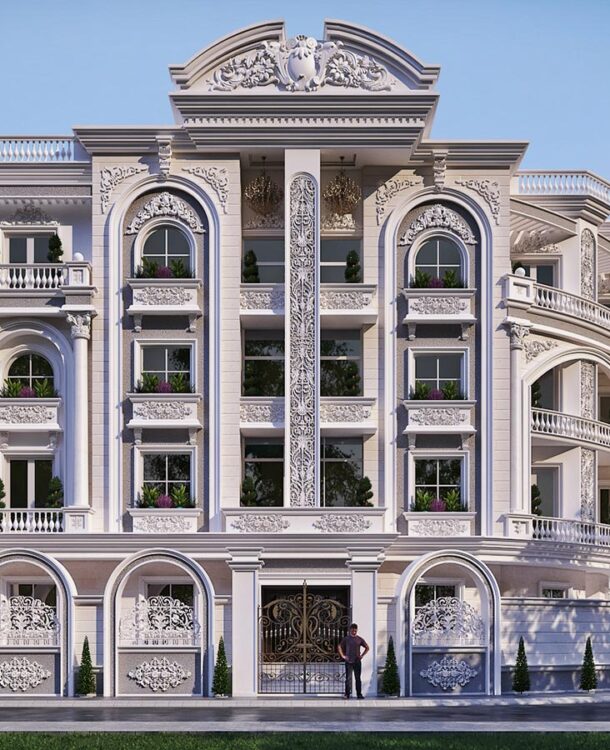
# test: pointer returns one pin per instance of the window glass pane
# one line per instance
(258, 448)
(425, 367)
(604, 409)
(19, 484)
(449, 471)
(339, 483)
(545, 275)
(42, 476)
(41, 249)
(348, 449)
(426, 255)
(332, 274)
(178, 359)
(155, 243)
(554, 593)
(179, 467)
(425, 472)
(340, 378)
(337, 250)
(604, 505)
(264, 344)
(263, 377)
(17, 250)
(543, 391)
(545, 478)
(154, 467)
(340, 344)
(448, 253)
(266, 250)
(444, 591)
(20, 367)
(153, 358)
(268, 479)
(177, 243)
(41, 367)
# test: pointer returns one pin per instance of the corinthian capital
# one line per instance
(517, 332)
(80, 325)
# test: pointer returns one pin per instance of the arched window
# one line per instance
(32, 371)
(167, 247)
(439, 262)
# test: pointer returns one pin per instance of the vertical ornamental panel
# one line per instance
(302, 433)
(587, 264)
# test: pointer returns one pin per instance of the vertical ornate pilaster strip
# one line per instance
(587, 264)
(302, 324)
(587, 484)
(587, 390)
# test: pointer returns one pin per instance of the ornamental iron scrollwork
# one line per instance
(449, 673)
(159, 621)
(26, 621)
(448, 621)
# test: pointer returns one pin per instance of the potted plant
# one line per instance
(353, 271)
(249, 273)
(521, 675)
(55, 494)
(85, 686)
(390, 682)
(221, 683)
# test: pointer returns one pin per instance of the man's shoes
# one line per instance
(346, 697)
(361, 697)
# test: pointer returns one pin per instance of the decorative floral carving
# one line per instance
(535, 243)
(448, 621)
(159, 621)
(268, 411)
(587, 264)
(387, 190)
(159, 674)
(439, 170)
(352, 299)
(272, 221)
(517, 333)
(168, 523)
(26, 414)
(161, 295)
(217, 178)
(267, 299)
(26, 621)
(110, 177)
(434, 305)
(22, 674)
(441, 417)
(301, 64)
(488, 190)
(303, 341)
(80, 325)
(165, 204)
(536, 346)
(587, 484)
(449, 673)
(164, 145)
(261, 523)
(342, 523)
(438, 217)
(353, 412)
(439, 527)
(29, 214)
(161, 410)
(587, 390)
(338, 222)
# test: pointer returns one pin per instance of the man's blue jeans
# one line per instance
(355, 669)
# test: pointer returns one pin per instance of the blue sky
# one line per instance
(536, 70)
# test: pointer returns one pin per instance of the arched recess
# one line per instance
(66, 590)
(113, 240)
(490, 601)
(112, 596)
(388, 244)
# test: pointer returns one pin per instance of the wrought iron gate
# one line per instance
(298, 638)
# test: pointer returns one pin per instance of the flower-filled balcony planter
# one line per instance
(159, 411)
(164, 296)
(439, 306)
(439, 524)
(29, 414)
(352, 304)
(439, 417)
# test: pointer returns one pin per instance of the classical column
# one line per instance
(363, 567)
(302, 434)
(245, 564)
(81, 331)
(588, 457)
(519, 424)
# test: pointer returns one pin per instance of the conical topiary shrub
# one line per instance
(249, 493)
(521, 675)
(55, 250)
(353, 271)
(250, 270)
(588, 678)
(536, 500)
(221, 684)
(86, 678)
(390, 683)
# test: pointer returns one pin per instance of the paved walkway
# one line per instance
(562, 713)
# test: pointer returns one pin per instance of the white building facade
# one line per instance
(224, 403)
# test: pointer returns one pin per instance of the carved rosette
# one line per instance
(161, 524)
(164, 410)
(441, 417)
(165, 204)
(21, 674)
(353, 412)
(26, 414)
(270, 411)
(434, 305)
(159, 675)
(449, 673)
(488, 190)
(151, 296)
(587, 484)
(587, 390)
(439, 527)
(303, 342)
(342, 523)
(352, 299)
(387, 190)
(268, 299)
(110, 177)
(261, 523)
(587, 264)
(438, 217)
(537, 346)
(217, 178)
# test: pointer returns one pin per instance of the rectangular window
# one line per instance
(165, 369)
(263, 373)
(554, 593)
(29, 482)
(428, 592)
(439, 374)
(340, 363)
(45, 592)
(341, 471)
(546, 479)
(266, 265)
(604, 505)
(167, 471)
(23, 250)
(604, 409)
(263, 483)
(334, 261)
(543, 273)
(543, 391)
(437, 477)
(183, 592)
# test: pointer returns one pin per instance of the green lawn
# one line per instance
(303, 741)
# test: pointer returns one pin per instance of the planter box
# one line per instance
(439, 418)
(164, 297)
(439, 524)
(162, 521)
(439, 306)
(29, 414)
(348, 303)
(164, 411)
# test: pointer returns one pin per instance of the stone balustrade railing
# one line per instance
(572, 531)
(557, 300)
(42, 148)
(34, 521)
(45, 276)
(558, 424)
(535, 182)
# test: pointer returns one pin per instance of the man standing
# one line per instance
(350, 651)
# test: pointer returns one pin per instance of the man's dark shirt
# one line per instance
(351, 646)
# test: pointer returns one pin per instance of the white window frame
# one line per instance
(29, 232)
(138, 358)
(413, 352)
(138, 466)
(337, 263)
(17, 355)
(533, 261)
(565, 587)
(444, 234)
(159, 223)
(7, 583)
(145, 581)
(558, 484)
(418, 454)
(30, 455)
(459, 583)
(264, 263)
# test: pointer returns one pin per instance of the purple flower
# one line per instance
(436, 395)
(438, 506)
(436, 283)
(165, 272)
(165, 501)
(164, 387)
(27, 392)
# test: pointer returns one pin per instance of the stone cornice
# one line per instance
(505, 154)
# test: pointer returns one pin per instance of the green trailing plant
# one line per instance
(149, 496)
(453, 501)
(250, 268)
(421, 391)
(2, 494)
(451, 391)
(181, 497)
(86, 678)
(521, 675)
(179, 269)
(148, 270)
(221, 683)
(363, 494)
(536, 393)
(451, 280)
(55, 493)
(249, 493)
(390, 682)
(180, 383)
(422, 280)
(536, 500)
(11, 389)
(44, 389)
(148, 383)
(588, 678)
(55, 250)
(353, 270)
(422, 502)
